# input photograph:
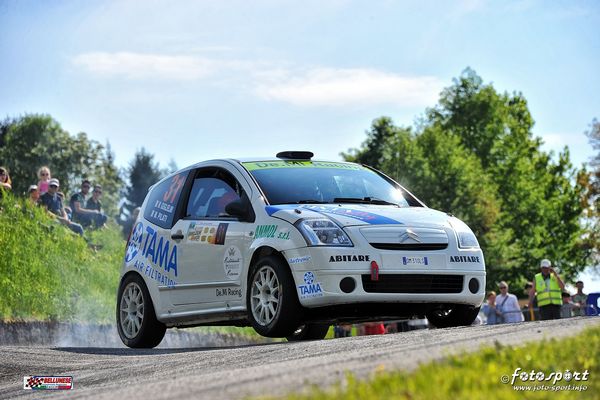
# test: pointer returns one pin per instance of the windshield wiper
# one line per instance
(364, 200)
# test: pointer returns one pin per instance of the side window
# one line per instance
(212, 190)
(163, 199)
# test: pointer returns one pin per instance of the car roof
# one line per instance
(258, 159)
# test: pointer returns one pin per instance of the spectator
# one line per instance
(34, 195)
(81, 213)
(372, 328)
(548, 287)
(342, 330)
(5, 182)
(492, 315)
(579, 300)
(44, 177)
(94, 203)
(566, 310)
(532, 314)
(54, 204)
(508, 305)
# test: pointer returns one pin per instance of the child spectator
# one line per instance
(34, 195)
(5, 182)
(566, 310)
(94, 204)
(492, 315)
(53, 203)
(44, 177)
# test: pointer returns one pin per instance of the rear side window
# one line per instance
(163, 199)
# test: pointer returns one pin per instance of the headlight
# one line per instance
(466, 237)
(322, 232)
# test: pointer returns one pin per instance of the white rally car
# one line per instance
(289, 245)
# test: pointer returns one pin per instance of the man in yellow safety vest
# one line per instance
(547, 286)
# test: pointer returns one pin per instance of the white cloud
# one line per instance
(342, 87)
(143, 66)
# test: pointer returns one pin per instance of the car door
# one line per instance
(212, 243)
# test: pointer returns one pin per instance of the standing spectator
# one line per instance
(342, 330)
(579, 300)
(44, 177)
(52, 201)
(548, 287)
(34, 195)
(508, 305)
(492, 315)
(5, 182)
(530, 314)
(566, 310)
(81, 213)
(94, 203)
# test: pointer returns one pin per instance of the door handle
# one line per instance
(177, 236)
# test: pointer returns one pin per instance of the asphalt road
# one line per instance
(238, 371)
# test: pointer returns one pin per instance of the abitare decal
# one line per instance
(465, 259)
(207, 232)
(349, 258)
(232, 262)
(155, 256)
(310, 288)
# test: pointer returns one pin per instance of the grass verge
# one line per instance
(479, 375)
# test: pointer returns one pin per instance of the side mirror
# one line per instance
(242, 209)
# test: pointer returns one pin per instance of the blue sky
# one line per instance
(193, 80)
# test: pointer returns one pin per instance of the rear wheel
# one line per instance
(450, 315)
(309, 332)
(136, 319)
(273, 306)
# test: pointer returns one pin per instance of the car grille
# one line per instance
(410, 246)
(413, 283)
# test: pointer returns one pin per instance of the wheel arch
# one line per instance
(261, 252)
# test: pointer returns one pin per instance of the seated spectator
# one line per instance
(54, 204)
(5, 182)
(94, 204)
(579, 300)
(81, 213)
(34, 195)
(44, 177)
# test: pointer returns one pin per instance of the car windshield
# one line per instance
(314, 182)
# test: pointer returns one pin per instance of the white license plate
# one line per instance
(414, 260)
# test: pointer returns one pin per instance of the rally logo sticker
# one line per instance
(207, 232)
(135, 242)
(48, 382)
(310, 287)
(232, 262)
(299, 260)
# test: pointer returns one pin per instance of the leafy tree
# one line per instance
(143, 172)
(474, 155)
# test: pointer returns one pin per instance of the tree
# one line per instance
(474, 155)
(143, 172)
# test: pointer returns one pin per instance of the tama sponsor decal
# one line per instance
(299, 260)
(158, 251)
(229, 292)
(310, 288)
(349, 258)
(465, 259)
(48, 382)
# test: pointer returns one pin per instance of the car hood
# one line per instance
(362, 214)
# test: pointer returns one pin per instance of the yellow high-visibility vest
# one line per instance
(547, 294)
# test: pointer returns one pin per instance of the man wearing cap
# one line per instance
(548, 287)
(52, 201)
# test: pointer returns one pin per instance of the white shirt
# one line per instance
(511, 312)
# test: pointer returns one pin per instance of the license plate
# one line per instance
(414, 260)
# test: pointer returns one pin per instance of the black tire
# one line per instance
(452, 315)
(309, 332)
(134, 307)
(273, 306)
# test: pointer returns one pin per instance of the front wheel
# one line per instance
(451, 315)
(273, 306)
(136, 319)
(309, 332)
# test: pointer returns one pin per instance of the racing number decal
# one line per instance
(176, 185)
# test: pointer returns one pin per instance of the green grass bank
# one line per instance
(479, 375)
(49, 273)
